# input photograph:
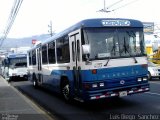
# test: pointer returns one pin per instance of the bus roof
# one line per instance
(97, 22)
(109, 22)
(102, 22)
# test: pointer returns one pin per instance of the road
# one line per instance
(126, 108)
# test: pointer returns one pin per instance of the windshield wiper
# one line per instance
(113, 48)
(126, 50)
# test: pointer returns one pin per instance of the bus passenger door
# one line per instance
(75, 49)
(39, 67)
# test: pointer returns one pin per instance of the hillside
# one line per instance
(22, 42)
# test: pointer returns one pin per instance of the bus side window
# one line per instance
(51, 53)
(44, 54)
(59, 44)
(30, 58)
(65, 50)
(34, 57)
(73, 51)
(62, 46)
(78, 50)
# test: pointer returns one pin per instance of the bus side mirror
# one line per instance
(86, 49)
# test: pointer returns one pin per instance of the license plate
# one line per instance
(123, 93)
(21, 75)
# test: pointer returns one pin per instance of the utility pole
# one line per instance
(104, 9)
(50, 29)
(104, 5)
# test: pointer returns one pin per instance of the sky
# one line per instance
(34, 16)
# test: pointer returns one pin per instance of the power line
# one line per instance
(125, 5)
(114, 4)
(106, 9)
(15, 8)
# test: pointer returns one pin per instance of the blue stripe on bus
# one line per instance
(114, 73)
(105, 73)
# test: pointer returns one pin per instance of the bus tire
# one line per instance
(149, 76)
(65, 90)
(10, 79)
(35, 82)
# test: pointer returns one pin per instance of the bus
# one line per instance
(93, 59)
(14, 66)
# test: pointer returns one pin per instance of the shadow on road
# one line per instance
(55, 104)
(110, 103)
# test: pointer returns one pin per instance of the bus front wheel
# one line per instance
(66, 91)
(35, 82)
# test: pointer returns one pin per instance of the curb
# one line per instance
(5, 83)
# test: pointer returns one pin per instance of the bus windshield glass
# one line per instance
(17, 62)
(114, 42)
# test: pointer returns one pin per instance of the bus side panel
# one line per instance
(56, 76)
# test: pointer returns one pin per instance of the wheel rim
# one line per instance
(66, 92)
(34, 83)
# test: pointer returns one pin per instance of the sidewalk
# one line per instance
(15, 106)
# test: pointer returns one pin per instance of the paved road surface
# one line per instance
(136, 105)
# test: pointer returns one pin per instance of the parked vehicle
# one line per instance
(153, 70)
(14, 66)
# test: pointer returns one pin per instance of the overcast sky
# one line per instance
(35, 15)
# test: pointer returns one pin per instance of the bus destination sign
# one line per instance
(116, 23)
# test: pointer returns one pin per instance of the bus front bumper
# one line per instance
(117, 92)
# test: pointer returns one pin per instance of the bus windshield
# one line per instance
(17, 62)
(114, 42)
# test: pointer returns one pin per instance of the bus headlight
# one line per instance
(142, 79)
(139, 79)
(88, 86)
(145, 79)
(94, 85)
(101, 84)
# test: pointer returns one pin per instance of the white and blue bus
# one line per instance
(93, 59)
(14, 66)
